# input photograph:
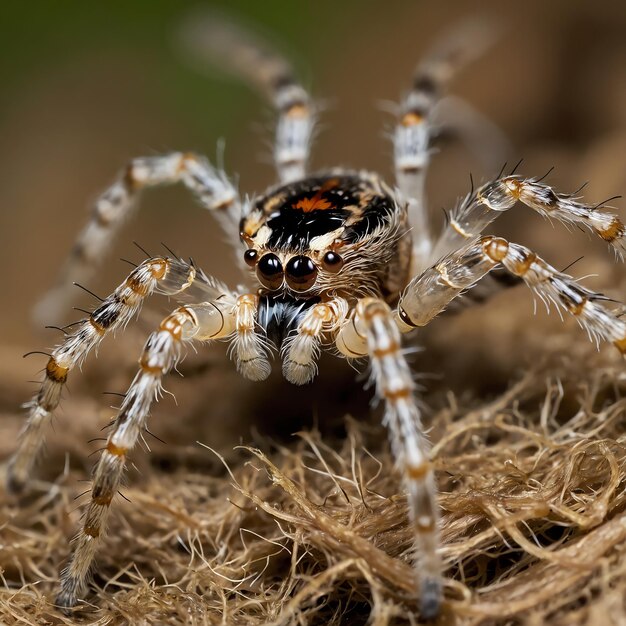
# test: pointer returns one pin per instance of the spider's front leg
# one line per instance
(163, 275)
(211, 320)
(210, 186)
(429, 294)
(372, 331)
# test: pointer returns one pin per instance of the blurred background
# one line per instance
(87, 86)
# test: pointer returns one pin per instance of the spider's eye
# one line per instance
(332, 262)
(251, 257)
(269, 271)
(301, 273)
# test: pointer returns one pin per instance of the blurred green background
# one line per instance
(87, 85)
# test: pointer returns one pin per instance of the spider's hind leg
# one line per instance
(212, 37)
(211, 187)
(414, 129)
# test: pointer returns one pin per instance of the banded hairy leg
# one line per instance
(372, 331)
(158, 275)
(214, 319)
(428, 294)
(415, 126)
(485, 204)
(301, 349)
(215, 40)
(210, 186)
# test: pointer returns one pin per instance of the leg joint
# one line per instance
(56, 372)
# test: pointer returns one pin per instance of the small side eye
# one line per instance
(251, 257)
(332, 262)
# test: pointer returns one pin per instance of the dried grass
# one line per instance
(314, 530)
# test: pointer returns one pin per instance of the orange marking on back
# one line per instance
(316, 202)
(620, 344)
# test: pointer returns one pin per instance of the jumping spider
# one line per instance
(337, 260)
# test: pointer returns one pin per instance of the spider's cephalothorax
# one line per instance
(339, 234)
(344, 263)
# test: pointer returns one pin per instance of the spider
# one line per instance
(337, 261)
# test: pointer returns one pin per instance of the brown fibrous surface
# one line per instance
(311, 528)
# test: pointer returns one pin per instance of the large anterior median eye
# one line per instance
(301, 273)
(269, 271)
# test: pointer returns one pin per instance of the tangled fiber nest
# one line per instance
(314, 531)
